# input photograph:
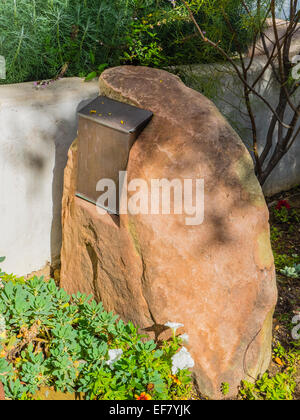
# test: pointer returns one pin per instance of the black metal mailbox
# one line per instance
(107, 129)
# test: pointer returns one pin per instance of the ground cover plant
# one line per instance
(70, 344)
(42, 39)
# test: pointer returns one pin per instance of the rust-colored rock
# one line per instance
(2, 393)
(49, 394)
(218, 278)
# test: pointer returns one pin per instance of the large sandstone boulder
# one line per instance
(217, 278)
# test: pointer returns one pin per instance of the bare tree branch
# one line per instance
(231, 61)
(278, 61)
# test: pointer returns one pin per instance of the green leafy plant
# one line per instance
(95, 73)
(282, 215)
(143, 45)
(145, 368)
(70, 343)
(286, 215)
(292, 272)
(284, 260)
(39, 38)
(276, 234)
(225, 388)
(280, 386)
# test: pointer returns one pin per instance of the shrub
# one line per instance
(280, 386)
(292, 272)
(50, 339)
(38, 37)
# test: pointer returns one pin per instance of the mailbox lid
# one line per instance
(116, 115)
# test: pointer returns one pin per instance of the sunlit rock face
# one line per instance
(217, 277)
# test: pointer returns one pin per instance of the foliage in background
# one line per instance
(39, 37)
(261, 24)
(50, 339)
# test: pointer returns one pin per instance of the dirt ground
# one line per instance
(288, 243)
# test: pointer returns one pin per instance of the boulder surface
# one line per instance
(218, 277)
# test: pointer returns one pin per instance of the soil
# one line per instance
(288, 305)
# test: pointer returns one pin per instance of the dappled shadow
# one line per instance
(157, 329)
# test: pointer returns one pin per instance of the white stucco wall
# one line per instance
(283, 11)
(36, 130)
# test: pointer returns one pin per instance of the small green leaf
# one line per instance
(92, 57)
(102, 67)
(90, 76)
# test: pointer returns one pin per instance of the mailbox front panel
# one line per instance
(102, 153)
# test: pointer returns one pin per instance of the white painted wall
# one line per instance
(283, 11)
(36, 130)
